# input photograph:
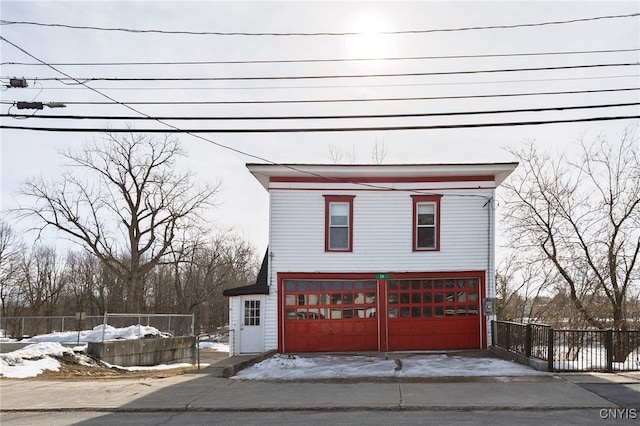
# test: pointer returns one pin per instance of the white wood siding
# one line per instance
(271, 320)
(234, 325)
(382, 238)
(382, 233)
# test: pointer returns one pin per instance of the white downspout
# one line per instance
(484, 326)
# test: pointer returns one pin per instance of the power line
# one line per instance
(304, 101)
(346, 86)
(197, 136)
(298, 61)
(336, 76)
(194, 132)
(324, 33)
(175, 129)
(323, 117)
(172, 127)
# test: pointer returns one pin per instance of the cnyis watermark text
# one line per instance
(618, 413)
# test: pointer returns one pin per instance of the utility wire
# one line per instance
(300, 61)
(175, 129)
(194, 132)
(321, 117)
(306, 34)
(305, 101)
(318, 77)
(349, 86)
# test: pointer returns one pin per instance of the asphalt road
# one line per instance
(372, 417)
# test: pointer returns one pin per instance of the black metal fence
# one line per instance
(571, 350)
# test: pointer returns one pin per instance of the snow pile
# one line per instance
(4, 338)
(214, 342)
(451, 366)
(220, 347)
(155, 367)
(293, 367)
(32, 360)
(39, 356)
(95, 335)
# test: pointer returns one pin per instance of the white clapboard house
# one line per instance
(372, 257)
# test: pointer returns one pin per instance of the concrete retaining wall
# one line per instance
(536, 364)
(145, 352)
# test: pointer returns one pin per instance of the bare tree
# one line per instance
(582, 217)
(82, 274)
(339, 155)
(194, 281)
(521, 288)
(43, 280)
(11, 249)
(379, 152)
(124, 200)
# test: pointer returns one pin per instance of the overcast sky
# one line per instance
(243, 203)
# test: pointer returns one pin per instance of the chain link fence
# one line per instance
(26, 327)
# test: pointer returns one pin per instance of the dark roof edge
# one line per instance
(261, 285)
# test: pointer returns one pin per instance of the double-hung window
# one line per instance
(338, 222)
(426, 222)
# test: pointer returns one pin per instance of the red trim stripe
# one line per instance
(381, 179)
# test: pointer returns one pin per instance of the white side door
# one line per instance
(251, 324)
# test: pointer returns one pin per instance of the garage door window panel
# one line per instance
(336, 315)
(341, 303)
(432, 298)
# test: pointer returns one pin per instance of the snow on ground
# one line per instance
(220, 347)
(4, 338)
(293, 367)
(34, 359)
(37, 357)
(595, 359)
(151, 367)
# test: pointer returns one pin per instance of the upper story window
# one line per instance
(426, 222)
(338, 223)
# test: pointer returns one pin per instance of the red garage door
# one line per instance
(412, 312)
(434, 313)
(330, 315)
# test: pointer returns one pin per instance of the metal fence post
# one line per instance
(550, 350)
(508, 337)
(609, 349)
(527, 340)
(198, 350)
(104, 325)
(493, 332)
